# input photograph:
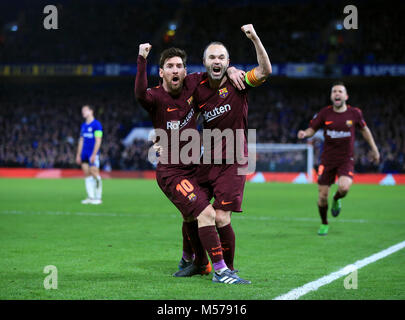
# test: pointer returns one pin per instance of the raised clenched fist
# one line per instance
(144, 49)
(249, 31)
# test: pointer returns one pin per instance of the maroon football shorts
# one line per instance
(327, 173)
(182, 189)
(224, 183)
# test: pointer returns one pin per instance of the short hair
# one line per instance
(170, 53)
(339, 83)
(214, 43)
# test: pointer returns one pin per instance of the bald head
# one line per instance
(217, 45)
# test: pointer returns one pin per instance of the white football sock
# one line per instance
(89, 187)
(98, 185)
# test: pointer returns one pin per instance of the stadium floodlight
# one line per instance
(285, 157)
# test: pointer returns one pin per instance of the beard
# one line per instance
(215, 75)
(176, 86)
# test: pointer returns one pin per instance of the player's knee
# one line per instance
(222, 218)
(323, 199)
(343, 189)
(219, 219)
(207, 217)
(94, 172)
(323, 196)
(85, 170)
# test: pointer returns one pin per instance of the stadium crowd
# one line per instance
(40, 120)
(40, 128)
(102, 31)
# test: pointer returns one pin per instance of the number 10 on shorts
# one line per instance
(186, 188)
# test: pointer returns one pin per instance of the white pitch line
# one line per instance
(315, 285)
(238, 217)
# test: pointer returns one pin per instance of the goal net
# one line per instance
(279, 157)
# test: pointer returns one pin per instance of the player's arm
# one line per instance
(365, 131)
(314, 125)
(98, 137)
(308, 133)
(259, 74)
(141, 81)
(79, 151)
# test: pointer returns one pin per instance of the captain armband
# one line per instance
(98, 134)
(251, 79)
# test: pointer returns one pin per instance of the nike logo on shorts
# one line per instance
(225, 203)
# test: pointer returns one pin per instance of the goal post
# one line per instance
(285, 157)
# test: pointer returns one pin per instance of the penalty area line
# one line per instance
(315, 285)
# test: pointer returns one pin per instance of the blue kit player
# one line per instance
(88, 155)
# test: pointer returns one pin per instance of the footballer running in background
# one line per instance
(171, 109)
(88, 155)
(225, 108)
(338, 122)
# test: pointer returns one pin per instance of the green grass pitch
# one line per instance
(128, 247)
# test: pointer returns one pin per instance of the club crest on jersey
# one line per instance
(190, 100)
(223, 92)
(349, 123)
(89, 129)
(192, 197)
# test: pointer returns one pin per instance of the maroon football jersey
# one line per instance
(339, 133)
(223, 108)
(167, 112)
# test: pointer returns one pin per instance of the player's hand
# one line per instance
(92, 158)
(144, 49)
(375, 156)
(78, 160)
(249, 31)
(301, 134)
(236, 76)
